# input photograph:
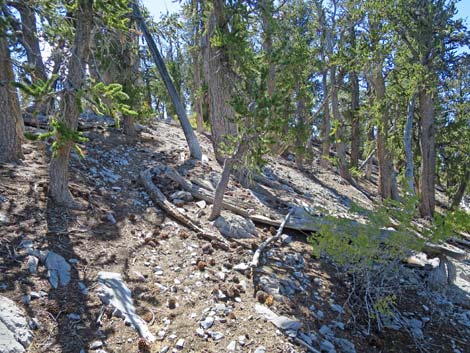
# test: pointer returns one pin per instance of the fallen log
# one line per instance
(300, 219)
(160, 199)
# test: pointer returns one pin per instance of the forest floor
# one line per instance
(178, 279)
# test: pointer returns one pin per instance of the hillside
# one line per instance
(196, 292)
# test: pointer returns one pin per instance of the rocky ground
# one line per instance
(98, 280)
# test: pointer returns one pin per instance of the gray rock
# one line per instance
(110, 218)
(15, 335)
(235, 226)
(260, 349)
(327, 346)
(4, 219)
(82, 287)
(178, 202)
(58, 269)
(74, 316)
(286, 239)
(345, 345)
(336, 307)
(415, 327)
(242, 340)
(34, 324)
(216, 336)
(164, 349)
(281, 322)
(32, 262)
(201, 204)
(182, 195)
(96, 344)
(208, 322)
(326, 331)
(114, 292)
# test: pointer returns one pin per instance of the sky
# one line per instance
(157, 7)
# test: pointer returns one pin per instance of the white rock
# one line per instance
(32, 263)
(58, 269)
(232, 346)
(260, 349)
(216, 336)
(208, 322)
(15, 335)
(180, 344)
(113, 291)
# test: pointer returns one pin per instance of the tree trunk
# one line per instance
(11, 131)
(409, 169)
(193, 144)
(457, 199)
(195, 53)
(326, 124)
(58, 171)
(30, 40)
(428, 153)
(340, 133)
(386, 172)
(300, 125)
(220, 190)
(355, 127)
(266, 23)
(220, 79)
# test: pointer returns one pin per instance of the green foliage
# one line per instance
(110, 100)
(39, 90)
(64, 135)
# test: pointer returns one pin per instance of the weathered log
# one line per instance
(160, 199)
(300, 218)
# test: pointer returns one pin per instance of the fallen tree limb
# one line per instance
(257, 256)
(160, 199)
(300, 219)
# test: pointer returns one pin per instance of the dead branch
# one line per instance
(256, 257)
(160, 199)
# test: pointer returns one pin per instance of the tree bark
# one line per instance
(428, 153)
(340, 133)
(355, 127)
(409, 169)
(220, 190)
(220, 79)
(386, 172)
(457, 199)
(195, 53)
(58, 170)
(11, 129)
(326, 124)
(193, 144)
(30, 40)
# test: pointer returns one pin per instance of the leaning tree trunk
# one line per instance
(428, 153)
(220, 79)
(340, 133)
(59, 167)
(409, 169)
(11, 132)
(193, 144)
